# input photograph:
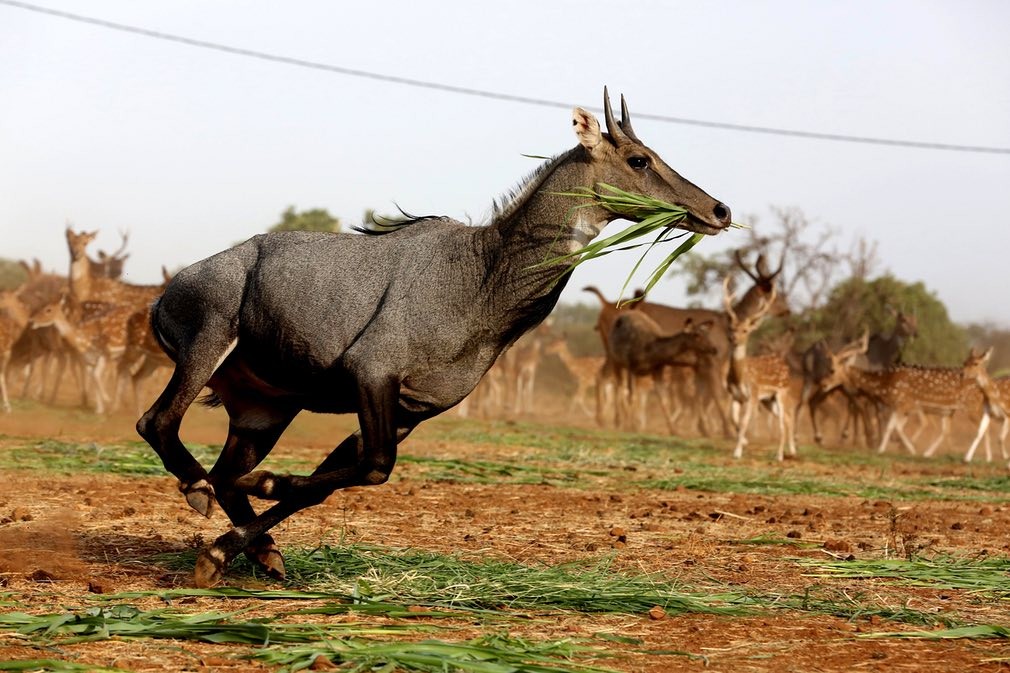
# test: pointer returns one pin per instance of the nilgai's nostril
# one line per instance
(721, 212)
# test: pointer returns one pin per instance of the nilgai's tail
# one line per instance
(152, 315)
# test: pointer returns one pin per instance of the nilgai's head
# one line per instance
(78, 243)
(620, 159)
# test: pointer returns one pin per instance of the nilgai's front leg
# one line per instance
(365, 458)
(160, 425)
(243, 451)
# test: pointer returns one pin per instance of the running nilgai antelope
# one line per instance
(396, 328)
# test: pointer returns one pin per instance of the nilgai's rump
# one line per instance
(395, 328)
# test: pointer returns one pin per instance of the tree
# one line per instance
(12, 274)
(317, 219)
(857, 303)
(811, 257)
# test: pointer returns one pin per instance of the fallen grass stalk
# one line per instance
(976, 632)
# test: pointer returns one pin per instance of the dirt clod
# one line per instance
(40, 575)
(657, 613)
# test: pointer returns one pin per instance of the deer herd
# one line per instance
(694, 363)
(88, 325)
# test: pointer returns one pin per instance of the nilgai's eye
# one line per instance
(638, 163)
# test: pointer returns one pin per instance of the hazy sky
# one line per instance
(192, 150)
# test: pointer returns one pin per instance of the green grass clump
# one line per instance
(418, 577)
(649, 216)
(990, 575)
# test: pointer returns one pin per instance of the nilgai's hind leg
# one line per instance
(243, 451)
(160, 425)
(363, 459)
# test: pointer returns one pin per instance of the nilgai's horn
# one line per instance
(615, 131)
(626, 121)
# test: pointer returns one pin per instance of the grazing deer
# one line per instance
(759, 378)
(396, 328)
(903, 389)
(639, 348)
(13, 320)
(584, 370)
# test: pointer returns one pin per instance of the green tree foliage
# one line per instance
(317, 219)
(856, 304)
(11, 274)
(988, 334)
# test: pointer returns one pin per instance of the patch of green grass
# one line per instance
(990, 575)
(295, 646)
(127, 458)
(495, 472)
(418, 577)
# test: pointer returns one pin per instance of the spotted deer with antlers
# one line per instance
(903, 389)
(758, 378)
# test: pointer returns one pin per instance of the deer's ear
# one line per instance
(587, 129)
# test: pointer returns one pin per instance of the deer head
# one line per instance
(619, 158)
(975, 365)
(78, 243)
(740, 328)
(840, 362)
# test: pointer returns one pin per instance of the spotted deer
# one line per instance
(87, 286)
(904, 389)
(13, 321)
(95, 339)
(995, 406)
(584, 370)
(758, 378)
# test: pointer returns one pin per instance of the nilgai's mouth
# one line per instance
(700, 226)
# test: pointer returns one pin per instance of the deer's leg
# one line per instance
(944, 431)
(788, 421)
(5, 359)
(366, 458)
(892, 422)
(741, 437)
(1003, 428)
(244, 449)
(983, 426)
(160, 424)
(905, 441)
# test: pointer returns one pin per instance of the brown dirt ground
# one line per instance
(83, 528)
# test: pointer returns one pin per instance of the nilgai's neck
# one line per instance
(538, 225)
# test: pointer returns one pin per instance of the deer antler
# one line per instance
(126, 238)
(615, 131)
(727, 300)
(737, 255)
(626, 121)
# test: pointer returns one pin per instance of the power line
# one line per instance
(493, 95)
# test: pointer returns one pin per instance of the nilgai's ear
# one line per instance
(587, 128)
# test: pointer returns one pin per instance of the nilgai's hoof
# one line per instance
(210, 566)
(261, 484)
(200, 496)
(269, 559)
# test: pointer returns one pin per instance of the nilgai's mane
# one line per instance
(506, 205)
